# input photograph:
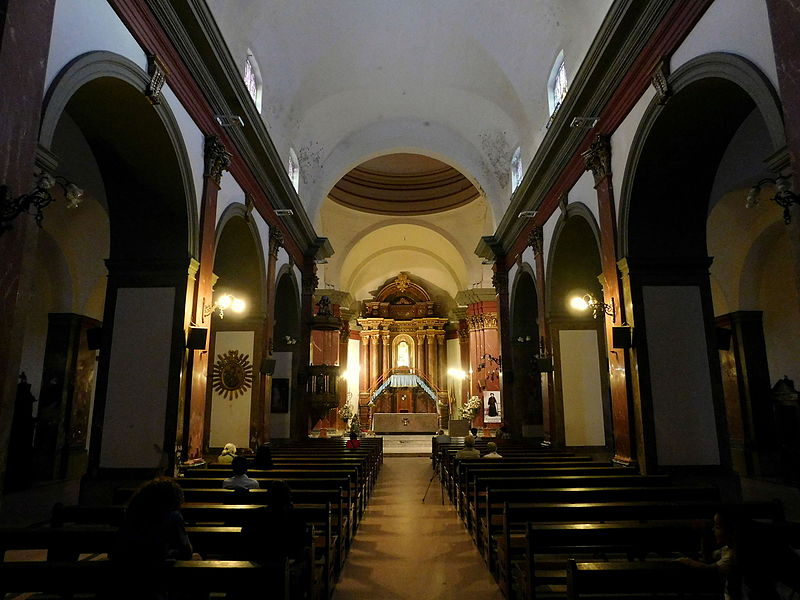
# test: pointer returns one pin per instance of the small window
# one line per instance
(516, 169)
(252, 80)
(557, 84)
(294, 169)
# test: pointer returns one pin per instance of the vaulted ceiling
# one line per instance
(464, 83)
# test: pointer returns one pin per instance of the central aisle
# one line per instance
(406, 550)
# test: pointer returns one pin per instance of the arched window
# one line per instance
(516, 169)
(557, 84)
(252, 80)
(294, 169)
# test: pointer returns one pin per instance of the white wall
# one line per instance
(138, 377)
(230, 417)
(680, 381)
(81, 26)
(581, 388)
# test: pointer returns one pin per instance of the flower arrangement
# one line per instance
(345, 413)
(472, 407)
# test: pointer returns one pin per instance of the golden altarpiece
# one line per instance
(403, 356)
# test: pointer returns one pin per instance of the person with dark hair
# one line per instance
(469, 450)
(276, 534)
(353, 443)
(263, 459)
(474, 432)
(153, 531)
(239, 480)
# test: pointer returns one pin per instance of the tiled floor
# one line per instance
(407, 549)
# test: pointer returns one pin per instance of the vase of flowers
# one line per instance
(471, 408)
(345, 413)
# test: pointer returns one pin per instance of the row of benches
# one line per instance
(330, 487)
(532, 511)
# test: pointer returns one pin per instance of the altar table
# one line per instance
(405, 422)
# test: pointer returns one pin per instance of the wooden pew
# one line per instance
(105, 577)
(645, 579)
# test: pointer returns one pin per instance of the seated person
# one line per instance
(469, 450)
(473, 432)
(502, 433)
(441, 437)
(240, 480)
(353, 442)
(153, 531)
(263, 459)
(228, 452)
(492, 448)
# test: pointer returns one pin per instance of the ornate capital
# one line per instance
(310, 283)
(218, 159)
(500, 281)
(275, 240)
(660, 81)
(158, 73)
(597, 158)
(536, 239)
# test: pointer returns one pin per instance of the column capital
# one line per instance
(275, 240)
(536, 239)
(597, 158)
(217, 158)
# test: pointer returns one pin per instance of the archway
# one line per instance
(138, 216)
(679, 200)
(236, 412)
(286, 334)
(581, 404)
(527, 383)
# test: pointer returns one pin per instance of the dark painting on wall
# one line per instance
(280, 396)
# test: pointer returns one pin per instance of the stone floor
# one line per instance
(408, 549)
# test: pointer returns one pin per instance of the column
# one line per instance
(441, 362)
(302, 356)
(598, 161)
(430, 353)
(385, 353)
(374, 359)
(545, 341)
(363, 373)
(275, 243)
(217, 160)
(24, 44)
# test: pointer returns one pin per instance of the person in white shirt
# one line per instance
(240, 480)
(492, 448)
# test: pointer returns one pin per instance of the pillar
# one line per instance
(25, 31)
(217, 160)
(299, 418)
(598, 161)
(275, 243)
(547, 379)
(385, 352)
(374, 359)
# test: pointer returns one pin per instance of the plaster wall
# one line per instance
(81, 26)
(230, 417)
(680, 383)
(138, 375)
(229, 193)
(193, 139)
(736, 26)
(581, 388)
(583, 191)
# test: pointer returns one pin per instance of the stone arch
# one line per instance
(98, 65)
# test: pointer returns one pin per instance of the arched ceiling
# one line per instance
(465, 81)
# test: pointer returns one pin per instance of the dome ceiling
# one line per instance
(403, 184)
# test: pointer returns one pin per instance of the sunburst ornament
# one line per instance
(232, 375)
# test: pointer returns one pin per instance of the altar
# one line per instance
(405, 422)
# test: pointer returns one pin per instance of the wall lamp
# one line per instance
(11, 208)
(223, 303)
(598, 308)
(457, 374)
(784, 196)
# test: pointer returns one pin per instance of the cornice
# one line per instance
(633, 38)
(205, 79)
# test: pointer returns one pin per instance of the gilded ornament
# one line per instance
(232, 374)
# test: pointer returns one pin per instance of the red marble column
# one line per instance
(598, 160)
(24, 42)
(374, 360)
(545, 342)
(364, 364)
(784, 19)
(430, 354)
(385, 352)
(217, 159)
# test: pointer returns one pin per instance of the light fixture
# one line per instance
(598, 308)
(784, 196)
(229, 120)
(457, 373)
(584, 122)
(283, 212)
(223, 303)
(526, 214)
(11, 208)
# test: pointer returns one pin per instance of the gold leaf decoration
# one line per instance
(232, 375)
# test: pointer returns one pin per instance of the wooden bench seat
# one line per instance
(105, 578)
(641, 579)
